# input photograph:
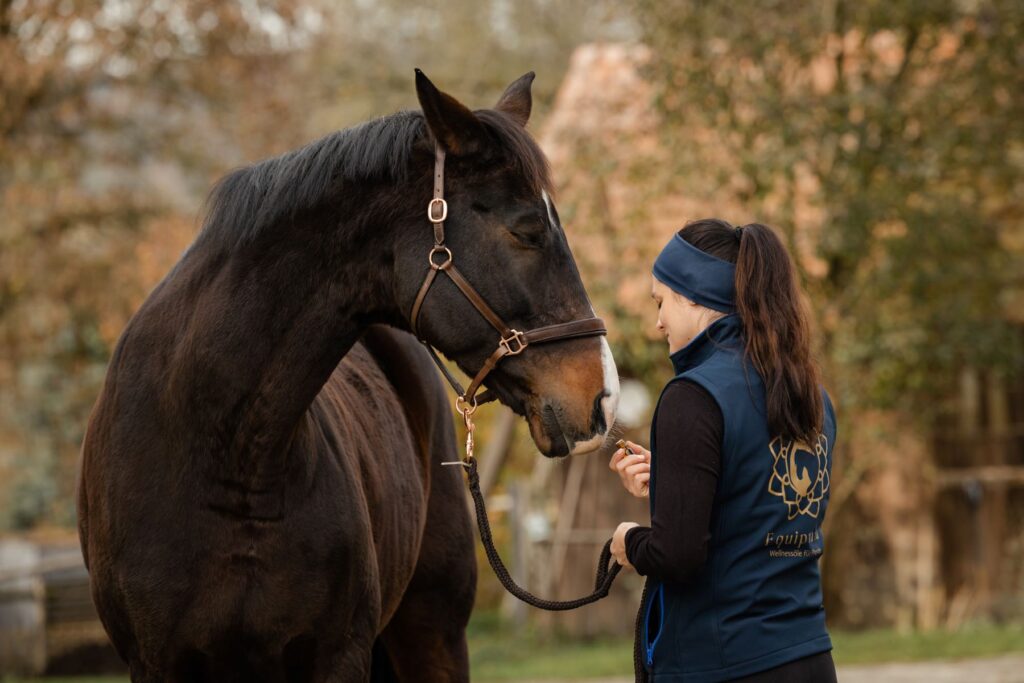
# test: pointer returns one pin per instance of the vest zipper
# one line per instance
(649, 645)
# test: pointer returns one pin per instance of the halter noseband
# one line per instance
(513, 342)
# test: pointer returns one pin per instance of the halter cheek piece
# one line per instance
(512, 342)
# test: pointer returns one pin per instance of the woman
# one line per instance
(738, 471)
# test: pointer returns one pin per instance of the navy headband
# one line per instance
(697, 275)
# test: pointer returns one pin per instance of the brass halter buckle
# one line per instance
(518, 339)
(437, 202)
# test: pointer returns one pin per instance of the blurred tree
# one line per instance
(116, 115)
(472, 49)
(885, 140)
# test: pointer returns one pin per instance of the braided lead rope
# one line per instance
(602, 581)
(607, 568)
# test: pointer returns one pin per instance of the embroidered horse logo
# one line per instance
(800, 475)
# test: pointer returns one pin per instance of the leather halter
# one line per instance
(513, 341)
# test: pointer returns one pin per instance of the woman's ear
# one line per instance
(454, 126)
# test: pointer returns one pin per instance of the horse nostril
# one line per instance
(598, 423)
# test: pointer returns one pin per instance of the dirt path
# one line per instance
(1004, 669)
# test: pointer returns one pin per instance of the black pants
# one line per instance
(817, 668)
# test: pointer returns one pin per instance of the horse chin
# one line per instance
(589, 446)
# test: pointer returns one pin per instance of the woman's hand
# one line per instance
(619, 543)
(634, 469)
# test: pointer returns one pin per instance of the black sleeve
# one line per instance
(688, 434)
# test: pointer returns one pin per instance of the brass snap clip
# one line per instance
(467, 410)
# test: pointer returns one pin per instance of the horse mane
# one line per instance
(250, 201)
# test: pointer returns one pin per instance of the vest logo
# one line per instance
(799, 475)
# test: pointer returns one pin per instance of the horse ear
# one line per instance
(517, 101)
(452, 124)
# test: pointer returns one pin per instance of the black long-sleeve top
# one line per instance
(689, 432)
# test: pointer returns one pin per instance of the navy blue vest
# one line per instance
(756, 603)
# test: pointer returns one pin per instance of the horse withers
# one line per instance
(261, 496)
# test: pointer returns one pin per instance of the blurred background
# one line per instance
(882, 139)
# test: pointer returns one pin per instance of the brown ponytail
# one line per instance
(775, 321)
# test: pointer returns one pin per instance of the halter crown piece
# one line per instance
(512, 342)
(697, 275)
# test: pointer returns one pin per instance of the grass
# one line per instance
(499, 652)
(979, 640)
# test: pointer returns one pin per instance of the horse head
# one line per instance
(504, 234)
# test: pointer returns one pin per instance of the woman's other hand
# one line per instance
(619, 543)
(634, 469)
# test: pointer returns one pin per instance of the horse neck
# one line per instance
(266, 328)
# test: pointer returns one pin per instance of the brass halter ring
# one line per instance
(437, 249)
(464, 407)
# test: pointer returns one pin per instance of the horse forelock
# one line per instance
(522, 150)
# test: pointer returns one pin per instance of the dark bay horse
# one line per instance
(261, 496)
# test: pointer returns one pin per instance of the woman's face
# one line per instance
(679, 319)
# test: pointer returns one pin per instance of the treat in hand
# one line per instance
(633, 467)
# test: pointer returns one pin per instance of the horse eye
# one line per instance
(480, 208)
(528, 238)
